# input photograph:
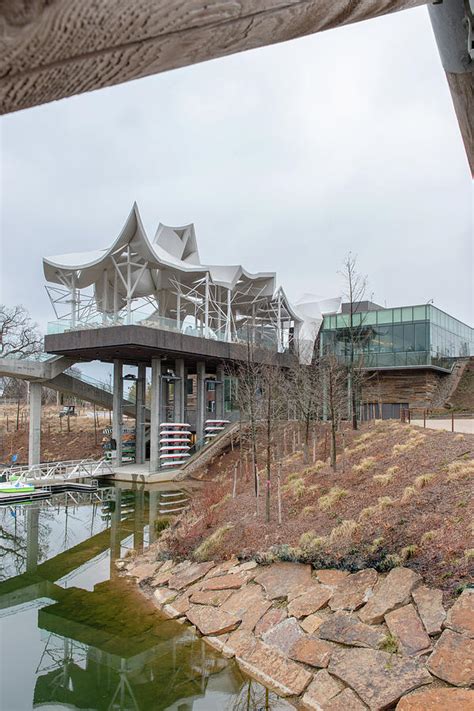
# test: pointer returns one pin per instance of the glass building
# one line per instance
(409, 336)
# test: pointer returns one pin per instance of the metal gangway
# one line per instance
(66, 470)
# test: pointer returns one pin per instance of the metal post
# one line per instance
(117, 405)
(228, 334)
(155, 414)
(206, 307)
(140, 414)
(178, 310)
(129, 287)
(200, 399)
(34, 440)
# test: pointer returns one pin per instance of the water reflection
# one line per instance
(77, 636)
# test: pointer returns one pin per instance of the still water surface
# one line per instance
(73, 635)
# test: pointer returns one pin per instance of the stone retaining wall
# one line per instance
(326, 639)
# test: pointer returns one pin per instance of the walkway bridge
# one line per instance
(58, 472)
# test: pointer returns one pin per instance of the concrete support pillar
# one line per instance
(139, 521)
(155, 414)
(117, 407)
(34, 443)
(140, 415)
(220, 393)
(200, 399)
(115, 531)
(179, 390)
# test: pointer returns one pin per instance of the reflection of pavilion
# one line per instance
(107, 649)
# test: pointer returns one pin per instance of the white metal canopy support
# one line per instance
(117, 410)
(34, 437)
(155, 414)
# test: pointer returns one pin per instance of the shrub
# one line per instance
(365, 465)
(210, 544)
(331, 498)
(376, 544)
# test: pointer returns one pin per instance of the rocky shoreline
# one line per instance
(325, 639)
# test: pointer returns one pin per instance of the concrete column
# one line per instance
(200, 399)
(220, 393)
(117, 407)
(115, 531)
(34, 443)
(155, 417)
(140, 415)
(179, 390)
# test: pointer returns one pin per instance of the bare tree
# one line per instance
(271, 406)
(355, 292)
(19, 335)
(334, 380)
(305, 394)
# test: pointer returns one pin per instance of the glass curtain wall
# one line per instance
(400, 337)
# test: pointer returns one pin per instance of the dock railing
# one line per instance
(63, 470)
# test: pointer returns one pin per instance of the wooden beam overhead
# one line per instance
(51, 49)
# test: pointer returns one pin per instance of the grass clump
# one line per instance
(308, 510)
(389, 644)
(385, 501)
(295, 487)
(327, 502)
(310, 543)
(424, 479)
(160, 524)
(469, 553)
(365, 465)
(314, 468)
(428, 536)
(376, 544)
(211, 543)
(383, 479)
(460, 469)
(343, 532)
(409, 552)
(368, 512)
(408, 494)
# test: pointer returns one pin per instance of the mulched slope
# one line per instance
(421, 523)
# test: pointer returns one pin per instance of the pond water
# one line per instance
(74, 635)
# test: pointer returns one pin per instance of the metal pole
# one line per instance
(228, 324)
(206, 307)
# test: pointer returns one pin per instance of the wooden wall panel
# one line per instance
(50, 49)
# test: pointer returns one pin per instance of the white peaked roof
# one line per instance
(173, 251)
(135, 266)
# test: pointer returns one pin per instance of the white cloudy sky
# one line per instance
(285, 158)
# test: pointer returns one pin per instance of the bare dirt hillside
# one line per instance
(56, 441)
(400, 495)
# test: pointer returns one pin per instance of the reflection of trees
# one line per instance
(253, 697)
(14, 538)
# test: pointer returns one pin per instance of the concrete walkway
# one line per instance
(464, 424)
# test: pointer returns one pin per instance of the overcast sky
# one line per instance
(285, 158)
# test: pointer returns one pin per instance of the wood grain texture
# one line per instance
(51, 49)
(462, 92)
